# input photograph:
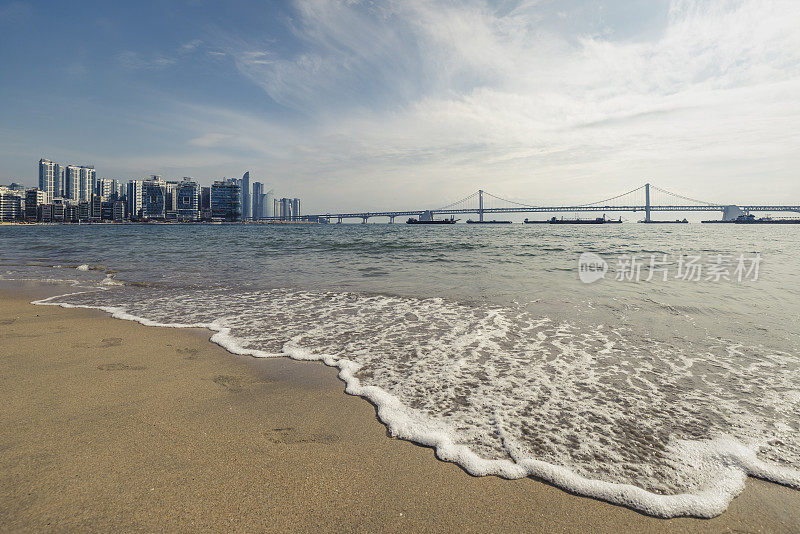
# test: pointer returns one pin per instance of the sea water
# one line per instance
(483, 342)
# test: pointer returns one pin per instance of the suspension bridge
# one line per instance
(646, 199)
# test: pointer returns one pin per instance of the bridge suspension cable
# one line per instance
(683, 197)
(465, 199)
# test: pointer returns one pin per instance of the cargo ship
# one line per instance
(470, 221)
(751, 219)
(431, 221)
(676, 221)
(554, 220)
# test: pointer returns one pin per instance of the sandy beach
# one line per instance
(111, 425)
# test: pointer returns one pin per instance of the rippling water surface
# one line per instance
(483, 343)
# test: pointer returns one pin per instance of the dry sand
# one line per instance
(110, 425)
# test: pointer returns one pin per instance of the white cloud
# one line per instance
(423, 98)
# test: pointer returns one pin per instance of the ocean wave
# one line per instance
(666, 427)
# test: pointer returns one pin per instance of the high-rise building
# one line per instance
(47, 180)
(268, 204)
(105, 188)
(10, 204)
(58, 179)
(226, 200)
(286, 209)
(134, 198)
(154, 198)
(258, 192)
(71, 179)
(87, 182)
(246, 199)
(187, 198)
(296, 209)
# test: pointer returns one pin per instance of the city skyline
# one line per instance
(354, 105)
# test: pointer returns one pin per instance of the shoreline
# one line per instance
(185, 416)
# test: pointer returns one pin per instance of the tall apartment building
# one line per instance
(106, 187)
(58, 180)
(134, 198)
(187, 196)
(296, 209)
(256, 206)
(10, 204)
(226, 200)
(154, 198)
(47, 180)
(267, 204)
(286, 209)
(246, 199)
(71, 179)
(87, 182)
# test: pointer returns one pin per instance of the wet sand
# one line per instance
(110, 425)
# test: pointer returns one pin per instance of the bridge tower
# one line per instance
(646, 202)
(480, 205)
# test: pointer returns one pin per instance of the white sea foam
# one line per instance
(82, 267)
(664, 427)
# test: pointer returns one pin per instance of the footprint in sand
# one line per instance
(190, 354)
(231, 383)
(120, 367)
(110, 342)
(292, 436)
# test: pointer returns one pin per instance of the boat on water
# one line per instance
(470, 221)
(676, 221)
(427, 218)
(597, 220)
(751, 219)
(431, 221)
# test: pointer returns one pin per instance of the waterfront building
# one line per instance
(58, 180)
(154, 198)
(112, 211)
(71, 179)
(106, 187)
(187, 197)
(226, 203)
(47, 181)
(134, 198)
(256, 210)
(296, 209)
(57, 211)
(87, 182)
(286, 209)
(247, 212)
(70, 213)
(44, 213)
(83, 210)
(10, 204)
(33, 199)
(276, 208)
(267, 204)
(95, 208)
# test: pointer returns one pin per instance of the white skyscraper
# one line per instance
(58, 179)
(87, 180)
(71, 179)
(105, 188)
(134, 198)
(47, 181)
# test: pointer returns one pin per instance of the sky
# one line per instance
(362, 105)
